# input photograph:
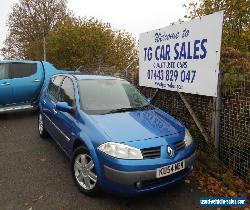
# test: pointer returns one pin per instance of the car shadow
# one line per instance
(178, 196)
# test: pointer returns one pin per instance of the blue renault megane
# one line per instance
(116, 139)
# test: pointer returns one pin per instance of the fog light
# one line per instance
(139, 185)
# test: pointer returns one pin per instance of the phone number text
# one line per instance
(187, 76)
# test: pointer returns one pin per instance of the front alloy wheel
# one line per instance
(83, 169)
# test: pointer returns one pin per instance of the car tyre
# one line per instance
(42, 132)
(83, 172)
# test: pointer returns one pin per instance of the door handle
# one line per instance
(36, 80)
(5, 83)
(54, 111)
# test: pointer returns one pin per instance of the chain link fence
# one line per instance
(234, 147)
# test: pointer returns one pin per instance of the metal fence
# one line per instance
(234, 147)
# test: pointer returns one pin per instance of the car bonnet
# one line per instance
(138, 125)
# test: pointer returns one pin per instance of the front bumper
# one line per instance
(132, 177)
(128, 177)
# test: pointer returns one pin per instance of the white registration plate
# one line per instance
(170, 169)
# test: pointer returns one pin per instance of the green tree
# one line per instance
(236, 29)
(27, 21)
(90, 43)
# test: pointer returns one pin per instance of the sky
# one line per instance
(5, 8)
(134, 16)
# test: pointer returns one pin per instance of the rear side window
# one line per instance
(19, 70)
(4, 71)
(53, 87)
(66, 92)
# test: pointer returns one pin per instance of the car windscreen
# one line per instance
(109, 95)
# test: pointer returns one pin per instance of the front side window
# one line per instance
(20, 70)
(54, 85)
(103, 96)
(4, 71)
(66, 92)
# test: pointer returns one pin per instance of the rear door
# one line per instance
(49, 106)
(6, 92)
(27, 80)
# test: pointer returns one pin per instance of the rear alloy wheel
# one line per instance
(42, 132)
(83, 170)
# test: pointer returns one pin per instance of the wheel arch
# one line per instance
(77, 143)
(84, 142)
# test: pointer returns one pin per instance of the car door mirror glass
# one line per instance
(64, 107)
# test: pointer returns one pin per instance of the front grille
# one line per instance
(152, 152)
(179, 145)
(152, 182)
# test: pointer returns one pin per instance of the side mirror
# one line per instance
(64, 107)
(149, 100)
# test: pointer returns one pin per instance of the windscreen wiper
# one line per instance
(127, 109)
(124, 110)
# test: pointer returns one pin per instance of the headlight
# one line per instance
(121, 151)
(188, 138)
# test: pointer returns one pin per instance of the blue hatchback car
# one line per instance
(117, 141)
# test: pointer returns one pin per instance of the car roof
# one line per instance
(18, 61)
(83, 76)
(93, 77)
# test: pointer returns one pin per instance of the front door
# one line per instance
(66, 122)
(6, 92)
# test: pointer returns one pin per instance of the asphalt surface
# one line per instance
(35, 174)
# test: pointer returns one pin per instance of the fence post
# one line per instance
(217, 113)
(196, 120)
